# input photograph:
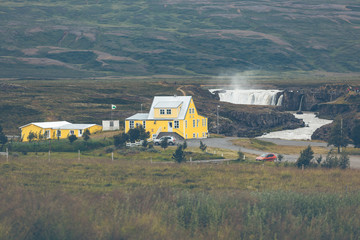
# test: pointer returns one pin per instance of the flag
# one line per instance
(113, 106)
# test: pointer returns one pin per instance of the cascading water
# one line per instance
(251, 96)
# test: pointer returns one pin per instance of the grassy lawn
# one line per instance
(272, 147)
(132, 198)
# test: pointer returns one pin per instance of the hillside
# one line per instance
(91, 38)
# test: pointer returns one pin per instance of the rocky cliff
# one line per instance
(312, 97)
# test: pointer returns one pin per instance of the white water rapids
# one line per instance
(311, 122)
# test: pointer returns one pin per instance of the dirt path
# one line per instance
(182, 91)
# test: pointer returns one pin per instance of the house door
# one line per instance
(170, 128)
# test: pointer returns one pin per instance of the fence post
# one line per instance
(79, 155)
(7, 154)
(112, 156)
(302, 167)
(49, 155)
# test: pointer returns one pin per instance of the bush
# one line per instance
(240, 156)
(120, 140)
(179, 155)
(184, 146)
(109, 150)
(332, 161)
(305, 157)
(164, 143)
(202, 146)
(72, 138)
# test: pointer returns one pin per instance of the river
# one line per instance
(312, 123)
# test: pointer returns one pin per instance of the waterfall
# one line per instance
(300, 106)
(251, 96)
(280, 100)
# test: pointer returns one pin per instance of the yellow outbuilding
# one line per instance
(171, 115)
(55, 130)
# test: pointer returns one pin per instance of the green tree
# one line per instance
(355, 135)
(338, 136)
(184, 146)
(280, 157)
(3, 138)
(86, 135)
(164, 143)
(331, 160)
(145, 143)
(120, 140)
(138, 133)
(179, 155)
(305, 158)
(72, 138)
(344, 160)
(202, 146)
(31, 136)
(240, 156)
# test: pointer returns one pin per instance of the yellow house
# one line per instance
(171, 115)
(56, 130)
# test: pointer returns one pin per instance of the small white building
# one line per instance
(110, 125)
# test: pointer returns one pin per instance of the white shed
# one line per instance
(110, 125)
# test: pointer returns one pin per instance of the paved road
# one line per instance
(227, 144)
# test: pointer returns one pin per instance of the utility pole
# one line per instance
(341, 134)
(217, 119)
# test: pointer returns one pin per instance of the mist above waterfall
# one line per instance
(243, 92)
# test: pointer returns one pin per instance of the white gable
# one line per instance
(171, 101)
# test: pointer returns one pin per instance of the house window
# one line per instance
(197, 122)
(47, 134)
(185, 123)
(58, 133)
(80, 132)
(168, 111)
(194, 123)
(162, 111)
(111, 123)
(137, 124)
(176, 124)
(194, 135)
(131, 123)
(72, 132)
(144, 124)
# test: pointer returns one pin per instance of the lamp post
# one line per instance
(217, 119)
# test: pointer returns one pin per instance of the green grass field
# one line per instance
(96, 198)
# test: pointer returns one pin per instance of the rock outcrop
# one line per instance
(312, 97)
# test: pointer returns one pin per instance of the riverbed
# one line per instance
(311, 124)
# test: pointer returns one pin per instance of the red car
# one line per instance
(267, 157)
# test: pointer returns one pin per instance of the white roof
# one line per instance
(170, 104)
(48, 124)
(171, 100)
(76, 126)
(59, 125)
(139, 116)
